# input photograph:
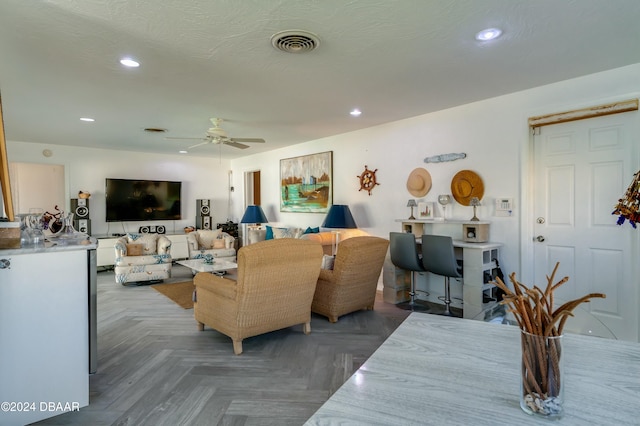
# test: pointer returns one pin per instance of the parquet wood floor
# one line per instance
(156, 368)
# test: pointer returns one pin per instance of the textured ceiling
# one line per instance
(213, 58)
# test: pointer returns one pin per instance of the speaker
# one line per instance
(80, 208)
(144, 230)
(203, 222)
(82, 225)
(160, 229)
(203, 207)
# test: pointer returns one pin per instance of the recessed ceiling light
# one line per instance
(355, 112)
(87, 119)
(128, 62)
(489, 34)
(183, 152)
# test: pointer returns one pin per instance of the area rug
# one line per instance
(181, 293)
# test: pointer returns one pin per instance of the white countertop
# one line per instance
(441, 370)
(53, 245)
(445, 222)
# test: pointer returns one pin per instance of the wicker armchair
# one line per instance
(275, 284)
(352, 284)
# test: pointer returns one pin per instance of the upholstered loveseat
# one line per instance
(142, 257)
(326, 237)
(216, 243)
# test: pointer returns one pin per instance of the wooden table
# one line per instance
(441, 370)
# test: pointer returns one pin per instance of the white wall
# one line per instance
(493, 133)
(86, 170)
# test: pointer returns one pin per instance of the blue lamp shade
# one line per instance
(339, 216)
(254, 214)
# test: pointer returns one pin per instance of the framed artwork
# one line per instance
(306, 184)
(425, 210)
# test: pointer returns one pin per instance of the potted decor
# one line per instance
(541, 324)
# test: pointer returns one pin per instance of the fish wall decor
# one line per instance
(445, 157)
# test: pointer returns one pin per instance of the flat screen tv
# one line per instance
(135, 200)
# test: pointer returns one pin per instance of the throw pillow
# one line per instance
(135, 249)
(327, 261)
(149, 242)
(269, 234)
(207, 237)
(311, 230)
(287, 232)
(218, 243)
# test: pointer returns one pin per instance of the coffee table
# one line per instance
(198, 265)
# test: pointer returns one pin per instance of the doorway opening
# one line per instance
(252, 196)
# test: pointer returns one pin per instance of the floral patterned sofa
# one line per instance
(142, 257)
(214, 242)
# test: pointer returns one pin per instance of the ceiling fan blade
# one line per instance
(231, 142)
(252, 140)
(199, 139)
(203, 143)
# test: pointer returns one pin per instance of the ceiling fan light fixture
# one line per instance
(295, 41)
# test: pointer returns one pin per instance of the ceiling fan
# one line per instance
(216, 135)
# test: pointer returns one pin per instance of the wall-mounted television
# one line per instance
(135, 200)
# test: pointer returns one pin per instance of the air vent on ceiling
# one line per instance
(155, 130)
(295, 41)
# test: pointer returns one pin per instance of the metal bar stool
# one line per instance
(404, 254)
(438, 257)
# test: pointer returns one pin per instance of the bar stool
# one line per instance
(405, 255)
(438, 257)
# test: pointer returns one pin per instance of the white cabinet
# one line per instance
(179, 246)
(44, 333)
(107, 254)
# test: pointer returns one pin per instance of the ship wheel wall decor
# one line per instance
(368, 180)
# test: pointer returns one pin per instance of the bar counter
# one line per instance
(437, 370)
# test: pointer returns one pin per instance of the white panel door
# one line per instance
(36, 185)
(581, 170)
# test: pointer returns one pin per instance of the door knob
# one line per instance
(539, 238)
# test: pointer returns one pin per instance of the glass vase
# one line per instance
(68, 234)
(542, 384)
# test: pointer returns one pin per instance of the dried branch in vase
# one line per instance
(533, 308)
(541, 325)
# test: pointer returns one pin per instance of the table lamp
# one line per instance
(475, 202)
(339, 216)
(411, 203)
(253, 217)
